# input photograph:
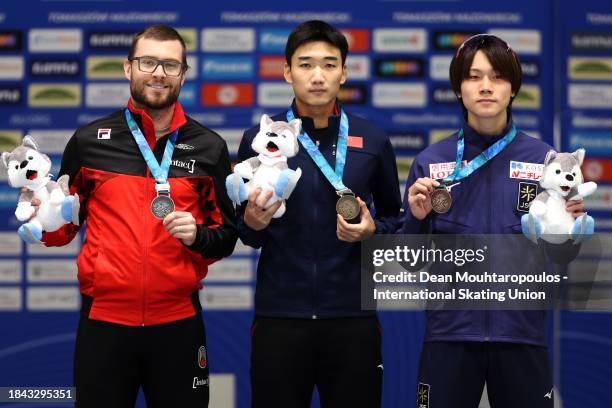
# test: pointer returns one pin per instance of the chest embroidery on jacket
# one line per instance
(104, 134)
(526, 194)
(183, 146)
(187, 165)
(423, 395)
(442, 170)
(526, 171)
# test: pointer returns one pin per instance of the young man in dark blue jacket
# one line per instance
(309, 329)
(463, 349)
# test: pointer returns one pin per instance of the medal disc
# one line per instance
(441, 200)
(348, 207)
(161, 206)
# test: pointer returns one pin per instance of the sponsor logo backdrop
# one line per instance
(61, 68)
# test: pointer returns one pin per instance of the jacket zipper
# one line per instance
(145, 246)
(314, 263)
(316, 213)
(487, 311)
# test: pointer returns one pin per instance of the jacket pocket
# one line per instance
(117, 272)
(514, 228)
(86, 265)
(450, 226)
(172, 271)
(454, 323)
(366, 163)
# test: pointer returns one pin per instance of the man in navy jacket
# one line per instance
(463, 349)
(309, 329)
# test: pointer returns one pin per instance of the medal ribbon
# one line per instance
(459, 173)
(159, 172)
(333, 176)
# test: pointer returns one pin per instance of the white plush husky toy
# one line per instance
(29, 168)
(275, 142)
(562, 181)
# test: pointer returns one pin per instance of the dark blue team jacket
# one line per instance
(304, 271)
(487, 202)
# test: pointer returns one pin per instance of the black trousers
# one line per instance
(341, 357)
(453, 374)
(169, 361)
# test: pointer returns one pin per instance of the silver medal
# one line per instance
(161, 206)
(348, 206)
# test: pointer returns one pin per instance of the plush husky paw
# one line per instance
(70, 209)
(280, 212)
(286, 182)
(531, 227)
(583, 229)
(30, 233)
(24, 211)
(236, 189)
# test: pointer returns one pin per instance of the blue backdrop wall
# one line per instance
(60, 68)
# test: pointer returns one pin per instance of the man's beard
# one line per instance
(139, 95)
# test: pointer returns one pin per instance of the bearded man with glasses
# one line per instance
(152, 186)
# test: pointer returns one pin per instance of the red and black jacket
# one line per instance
(133, 269)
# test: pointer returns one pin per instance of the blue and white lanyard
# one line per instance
(333, 176)
(159, 172)
(459, 173)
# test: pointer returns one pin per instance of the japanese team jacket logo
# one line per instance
(202, 361)
(423, 395)
(527, 192)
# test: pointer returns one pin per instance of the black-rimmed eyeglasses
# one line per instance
(149, 65)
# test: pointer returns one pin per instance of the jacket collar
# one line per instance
(308, 122)
(146, 123)
(473, 137)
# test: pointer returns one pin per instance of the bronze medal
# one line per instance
(441, 200)
(161, 206)
(348, 206)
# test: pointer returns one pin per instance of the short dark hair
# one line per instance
(159, 32)
(502, 58)
(315, 30)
